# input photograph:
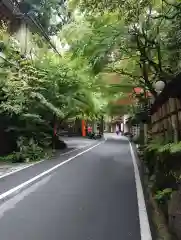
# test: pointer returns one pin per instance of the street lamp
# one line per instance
(159, 86)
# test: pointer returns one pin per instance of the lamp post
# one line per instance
(159, 86)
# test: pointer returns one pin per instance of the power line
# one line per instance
(40, 27)
(44, 34)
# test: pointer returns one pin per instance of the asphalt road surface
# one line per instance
(92, 197)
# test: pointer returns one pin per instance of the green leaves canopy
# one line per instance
(137, 39)
(35, 93)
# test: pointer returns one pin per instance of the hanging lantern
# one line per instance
(159, 86)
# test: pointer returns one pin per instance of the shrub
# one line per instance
(29, 150)
(163, 196)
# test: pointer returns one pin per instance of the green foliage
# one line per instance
(51, 14)
(163, 162)
(175, 147)
(155, 144)
(8, 158)
(29, 150)
(36, 94)
(163, 196)
(164, 148)
(134, 39)
(158, 145)
(139, 40)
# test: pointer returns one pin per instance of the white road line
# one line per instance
(143, 216)
(17, 188)
(11, 203)
(10, 173)
(62, 154)
(32, 164)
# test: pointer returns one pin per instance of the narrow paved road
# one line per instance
(92, 197)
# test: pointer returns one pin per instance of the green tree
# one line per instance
(35, 94)
(135, 38)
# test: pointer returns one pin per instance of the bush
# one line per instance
(163, 196)
(163, 162)
(29, 150)
(8, 158)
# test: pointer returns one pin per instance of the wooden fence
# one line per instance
(166, 112)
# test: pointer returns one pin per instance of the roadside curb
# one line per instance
(38, 162)
(20, 169)
(15, 190)
(145, 223)
(157, 222)
(30, 165)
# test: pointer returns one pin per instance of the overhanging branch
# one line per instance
(172, 4)
(122, 72)
(167, 17)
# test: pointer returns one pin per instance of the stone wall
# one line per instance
(174, 212)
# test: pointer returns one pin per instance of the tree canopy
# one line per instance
(36, 93)
(137, 41)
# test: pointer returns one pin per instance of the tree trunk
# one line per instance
(102, 125)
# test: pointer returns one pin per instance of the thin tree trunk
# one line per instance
(102, 125)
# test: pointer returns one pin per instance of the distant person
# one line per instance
(117, 130)
(89, 130)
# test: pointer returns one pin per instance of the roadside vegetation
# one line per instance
(139, 41)
(36, 94)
